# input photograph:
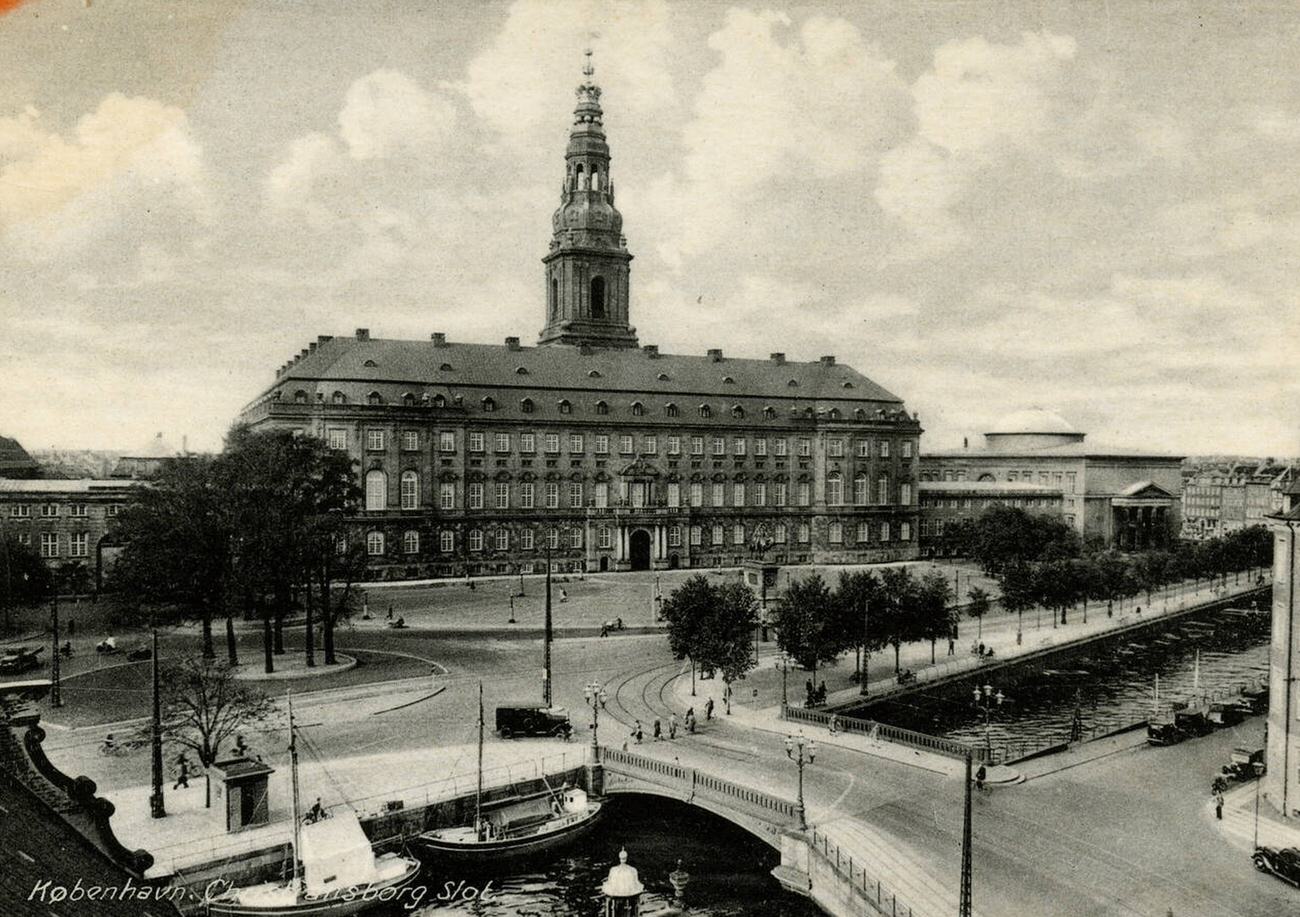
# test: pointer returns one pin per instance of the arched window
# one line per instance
(598, 297)
(638, 409)
(834, 490)
(410, 542)
(565, 407)
(339, 398)
(737, 411)
(375, 544)
(376, 490)
(409, 400)
(706, 411)
(555, 297)
(489, 404)
(580, 176)
(670, 410)
(410, 490)
(602, 407)
(374, 398)
(300, 397)
(769, 413)
(526, 406)
(439, 401)
(595, 179)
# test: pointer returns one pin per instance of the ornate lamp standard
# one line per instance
(783, 663)
(596, 696)
(985, 700)
(759, 545)
(1258, 767)
(801, 752)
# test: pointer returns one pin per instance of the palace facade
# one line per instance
(592, 450)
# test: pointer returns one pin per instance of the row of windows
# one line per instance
(478, 539)
(1067, 479)
(565, 406)
(51, 510)
(633, 493)
(985, 502)
(477, 441)
(78, 543)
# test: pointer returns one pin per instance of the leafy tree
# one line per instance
(899, 598)
(727, 640)
(204, 706)
(980, 604)
(1018, 586)
(855, 596)
(1005, 535)
(24, 576)
(1110, 570)
(934, 617)
(686, 610)
(805, 624)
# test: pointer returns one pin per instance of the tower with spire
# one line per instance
(588, 264)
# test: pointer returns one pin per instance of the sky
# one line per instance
(1088, 207)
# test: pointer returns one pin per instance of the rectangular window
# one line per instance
(475, 540)
(411, 543)
(884, 448)
(697, 493)
(77, 509)
(778, 493)
(718, 497)
(805, 447)
(602, 444)
(575, 444)
(882, 491)
(447, 495)
(718, 534)
(526, 539)
(780, 534)
(884, 531)
(861, 490)
(864, 532)
(476, 495)
(675, 536)
(575, 538)
(737, 494)
(575, 495)
(805, 494)
(375, 440)
(503, 442)
(674, 494)
(697, 445)
(697, 535)
(552, 495)
(738, 446)
(835, 448)
(835, 533)
(805, 533)
(864, 448)
(907, 448)
(719, 446)
(781, 446)
(602, 494)
(674, 445)
(1044, 477)
(338, 439)
(552, 443)
(625, 444)
(552, 538)
(476, 441)
(738, 533)
(23, 511)
(503, 495)
(604, 538)
(409, 490)
(905, 494)
(526, 495)
(1070, 481)
(79, 544)
(760, 494)
(760, 447)
(375, 544)
(49, 544)
(905, 531)
(446, 541)
(527, 443)
(410, 441)
(651, 445)
(503, 539)
(112, 509)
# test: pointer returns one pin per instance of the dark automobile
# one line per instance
(1283, 862)
(139, 654)
(533, 720)
(1192, 723)
(20, 659)
(1228, 714)
(1242, 765)
(1254, 701)
(1163, 732)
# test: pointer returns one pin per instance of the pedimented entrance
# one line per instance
(639, 549)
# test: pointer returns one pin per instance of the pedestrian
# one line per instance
(564, 595)
(708, 709)
(672, 726)
(315, 813)
(821, 693)
(833, 724)
(638, 732)
(658, 729)
(1218, 806)
(182, 774)
(979, 777)
(604, 629)
(390, 612)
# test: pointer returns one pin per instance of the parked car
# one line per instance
(1163, 732)
(1226, 714)
(20, 659)
(1283, 862)
(533, 720)
(139, 653)
(1192, 723)
(1254, 701)
(1241, 766)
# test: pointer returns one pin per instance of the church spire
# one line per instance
(588, 263)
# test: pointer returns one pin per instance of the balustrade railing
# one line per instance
(875, 891)
(884, 732)
(693, 781)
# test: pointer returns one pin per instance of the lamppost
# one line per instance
(964, 906)
(796, 747)
(56, 695)
(760, 544)
(783, 663)
(596, 696)
(985, 700)
(1258, 767)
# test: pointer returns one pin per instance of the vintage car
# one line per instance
(1283, 862)
(20, 659)
(1192, 723)
(1254, 701)
(1163, 732)
(533, 720)
(1226, 714)
(1241, 766)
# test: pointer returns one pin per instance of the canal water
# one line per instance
(1097, 689)
(730, 871)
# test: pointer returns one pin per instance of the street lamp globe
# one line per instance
(999, 697)
(978, 696)
(988, 689)
(812, 749)
(789, 745)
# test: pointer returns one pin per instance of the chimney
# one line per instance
(828, 360)
(651, 350)
(303, 353)
(439, 339)
(965, 442)
(512, 343)
(312, 346)
(322, 338)
(778, 358)
(715, 355)
(363, 334)
(185, 444)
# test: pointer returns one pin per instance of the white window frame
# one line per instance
(475, 496)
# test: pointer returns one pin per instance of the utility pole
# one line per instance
(964, 906)
(866, 655)
(56, 695)
(156, 809)
(546, 656)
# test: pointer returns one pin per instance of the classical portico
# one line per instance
(1141, 517)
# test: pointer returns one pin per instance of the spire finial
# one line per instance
(587, 68)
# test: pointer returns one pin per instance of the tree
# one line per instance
(854, 595)
(204, 706)
(1109, 572)
(980, 603)
(685, 611)
(899, 598)
(727, 638)
(24, 576)
(934, 617)
(1004, 535)
(805, 624)
(1018, 587)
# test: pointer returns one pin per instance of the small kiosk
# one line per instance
(241, 791)
(622, 889)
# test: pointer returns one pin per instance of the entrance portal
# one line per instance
(639, 548)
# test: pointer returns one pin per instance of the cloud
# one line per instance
(386, 113)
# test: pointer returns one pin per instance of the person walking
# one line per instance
(1218, 805)
(638, 732)
(182, 773)
(979, 777)
(690, 720)
(658, 729)
(833, 724)
(564, 594)
(708, 709)
(672, 726)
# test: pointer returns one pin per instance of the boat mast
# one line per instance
(293, 768)
(478, 792)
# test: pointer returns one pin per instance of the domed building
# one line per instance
(1037, 460)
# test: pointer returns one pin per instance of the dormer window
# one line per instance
(638, 409)
(439, 401)
(662, 377)
(848, 385)
(769, 413)
(526, 406)
(727, 380)
(793, 383)
(602, 407)
(408, 399)
(374, 398)
(670, 410)
(593, 374)
(300, 397)
(370, 364)
(859, 414)
(706, 411)
(339, 398)
(565, 407)
(737, 411)
(521, 371)
(446, 368)
(489, 404)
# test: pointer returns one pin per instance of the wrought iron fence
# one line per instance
(875, 891)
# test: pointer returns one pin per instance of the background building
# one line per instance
(1281, 782)
(1219, 497)
(946, 503)
(1121, 497)
(593, 450)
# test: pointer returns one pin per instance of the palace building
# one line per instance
(591, 449)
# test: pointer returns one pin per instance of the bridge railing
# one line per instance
(691, 781)
(950, 748)
(875, 891)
